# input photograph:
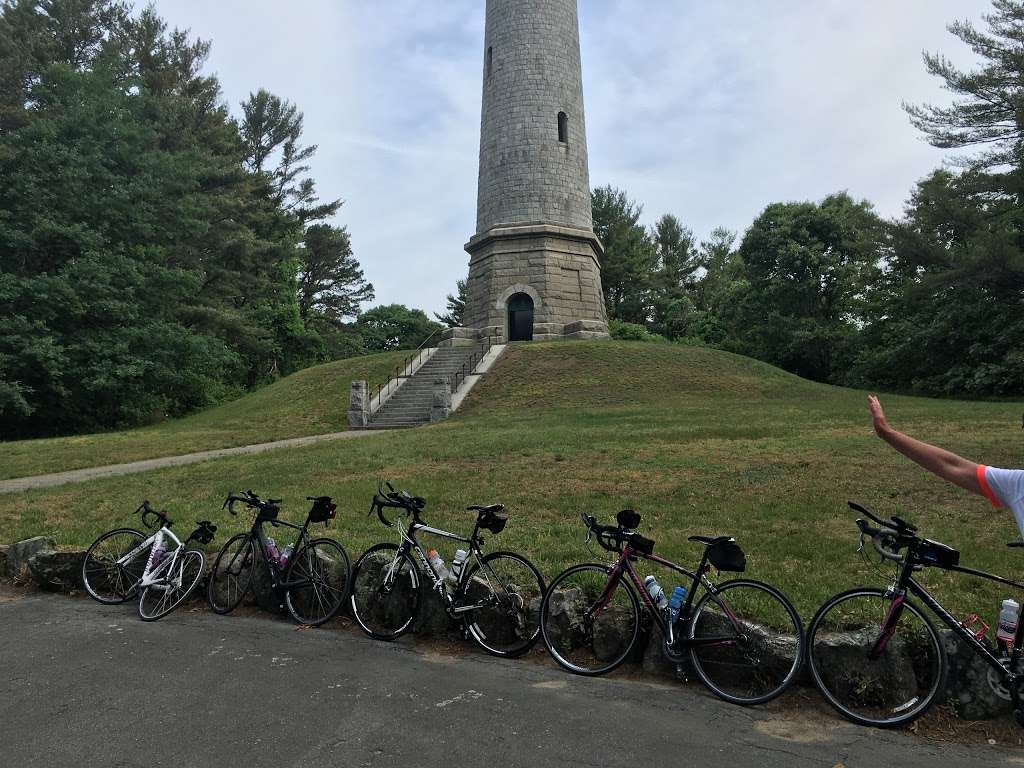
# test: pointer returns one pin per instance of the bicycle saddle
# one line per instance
(708, 541)
(488, 509)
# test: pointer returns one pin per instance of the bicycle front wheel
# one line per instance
(385, 592)
(586, 629)
(231, 574)
(103, 577)
(746, 641)
(870, 678)
(504, 593)
(159, 599)
(317, 581)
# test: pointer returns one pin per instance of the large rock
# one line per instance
(970, 689)
(3, 559)
(20, 552)
(57, 571)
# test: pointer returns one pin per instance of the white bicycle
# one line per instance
(124, 561)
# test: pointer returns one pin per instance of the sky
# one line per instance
(706, 110)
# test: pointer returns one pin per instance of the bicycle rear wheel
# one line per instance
(231, 574)
(507, 591)
(586, 631)
(318, 579)
(385, 592)
(157, 600)
(747, 641)
(871, 680)
(105, 580)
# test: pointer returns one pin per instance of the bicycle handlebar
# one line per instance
(393, 499)
(250, 499)
(890, 538)
(146, 510)
(610, 537)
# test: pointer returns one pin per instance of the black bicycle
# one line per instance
(877, 657)
(742, 637)
(496, 596)
(311, 581)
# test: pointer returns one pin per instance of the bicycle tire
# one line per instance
(171, 597)
(242, 573)
(385, 620)
(519, 620)
(765, 659)
(564, 631)
(325, 564)
(876, 681)
(100, 569)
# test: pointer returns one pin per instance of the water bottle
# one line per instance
(676, 604)
(1008, 618)
(656, 592)
(437, 564)
(458, 563)
(158, 555)
(285, 555)
(272, 552)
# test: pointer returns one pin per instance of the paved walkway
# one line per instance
(112, 470)
(250, 691)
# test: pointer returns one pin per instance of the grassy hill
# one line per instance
(310, 402)
(697, 441)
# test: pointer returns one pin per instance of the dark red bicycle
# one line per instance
(743, 638)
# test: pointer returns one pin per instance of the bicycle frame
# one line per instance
(274, 571)
(905, 582)
(624, 566)
(161, 573)
(409, 543)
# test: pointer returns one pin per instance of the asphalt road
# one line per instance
(88, 685)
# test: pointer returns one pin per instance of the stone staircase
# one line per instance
(410, 405)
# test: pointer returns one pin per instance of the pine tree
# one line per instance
(455, 317)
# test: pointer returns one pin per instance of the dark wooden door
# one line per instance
(520, 317)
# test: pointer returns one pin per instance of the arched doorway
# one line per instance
(520, 317)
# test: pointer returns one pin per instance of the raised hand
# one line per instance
(878, 416)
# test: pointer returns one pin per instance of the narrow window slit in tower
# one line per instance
(563, 128)
(490, 60)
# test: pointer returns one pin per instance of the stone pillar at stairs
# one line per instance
(442, 405)
(359, 405)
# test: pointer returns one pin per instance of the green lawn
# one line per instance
(698, 441)
(310, 402)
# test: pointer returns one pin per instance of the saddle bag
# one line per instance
(727, 556)
(493, 523)
(322, 510)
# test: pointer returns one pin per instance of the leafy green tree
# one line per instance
(630, 258)
(673, 307)
(455, 317)
(331, 282)
(394, 326)
(947, 317)
(806, 267)
(989, 115)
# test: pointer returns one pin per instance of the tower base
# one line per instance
(536, 281)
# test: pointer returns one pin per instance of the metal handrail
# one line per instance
(470, 365)
(400, 369)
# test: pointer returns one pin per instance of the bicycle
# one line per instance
(496, 596)
(744, 639)
(123, 560)
(312, 584)
(877, 657)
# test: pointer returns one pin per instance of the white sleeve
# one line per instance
(1008, 487)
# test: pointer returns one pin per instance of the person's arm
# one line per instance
(943, 463)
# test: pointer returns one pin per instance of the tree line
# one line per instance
(158, 253)
(930, 303)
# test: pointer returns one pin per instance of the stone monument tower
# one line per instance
(534, 269)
